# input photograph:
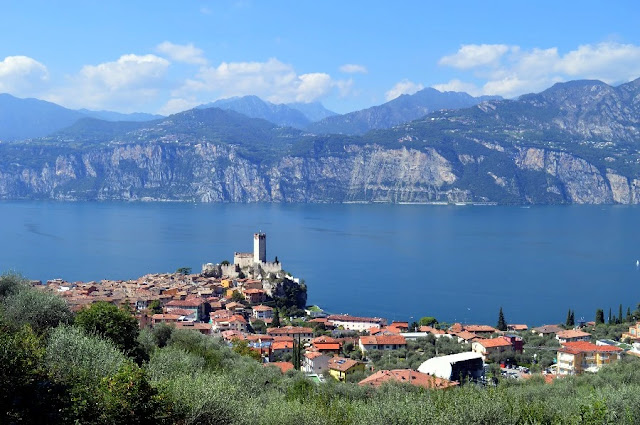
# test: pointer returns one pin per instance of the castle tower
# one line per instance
(259, 248)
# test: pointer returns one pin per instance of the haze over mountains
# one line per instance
(30, 118)
(576, 142)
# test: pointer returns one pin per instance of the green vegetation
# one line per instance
(502, 323)
(86, 371)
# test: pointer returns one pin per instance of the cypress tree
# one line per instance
(628, 318)
(573, 318)
(619, 314)
(610, 317)
(276, 319)
(502, 324)
(599, 316)
(570, 319)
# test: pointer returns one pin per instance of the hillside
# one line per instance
(573, 143)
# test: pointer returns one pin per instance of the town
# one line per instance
(258, 308)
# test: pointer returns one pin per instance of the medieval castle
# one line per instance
(250, 264)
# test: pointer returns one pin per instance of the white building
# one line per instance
(354, 323)
(454, 366)
(315, 362)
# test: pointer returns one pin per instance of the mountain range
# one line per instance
(30, 118)
(576, 142)
(297, 115)
(401, 109)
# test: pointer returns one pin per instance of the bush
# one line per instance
(41, 310)
(108, 321)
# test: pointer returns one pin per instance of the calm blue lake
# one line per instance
(458, 263)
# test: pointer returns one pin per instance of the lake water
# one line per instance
(457, 263)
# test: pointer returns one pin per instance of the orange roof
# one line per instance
(289, 330)
(479, 328)
(431, 330)
(237, 318)
(518, 327)
(194, 303)
(182, 312)
(585, 347)
(383, 340)
(165, 317)
(341, 364)
(494, 342)
(192, 325)
(262, 308)
(253, 291)
(324, 339)
(282, 338)
(572, 333)
(282, 345)
(406, 376)
(313, 354)
(283, 366)
(466, 335)
(256, 337)
(327, 345)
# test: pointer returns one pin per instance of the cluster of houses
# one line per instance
(205, 304)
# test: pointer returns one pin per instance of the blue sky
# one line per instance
(161, 56)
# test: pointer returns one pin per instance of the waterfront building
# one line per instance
(355, 323)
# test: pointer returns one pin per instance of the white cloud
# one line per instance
(403, 87)
(271, 80)
(510, 71)
(176, 105)
(186, 53)
(22, 76)
(473, 55)
(351, 68)
(459, 86)
(124, 85)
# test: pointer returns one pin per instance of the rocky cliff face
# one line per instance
(208, 172)
(576, 142)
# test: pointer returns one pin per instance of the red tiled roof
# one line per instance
(518, 327)
(253, 291)
(324, 339)
(406, 376)
(282, 345)
(256, 337)
(383, 340)
(467, 336)
(283, 366)
(479, 328)
(193, 303)
(182, 312)
(572, 333)
(262, 308)
(165, 317)
(313, 354)
(289, 330)
(431, 330)
(494, 342)
(341, 364)
(327, 346)
(586, 347)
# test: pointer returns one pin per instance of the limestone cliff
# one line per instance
(209, 172)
